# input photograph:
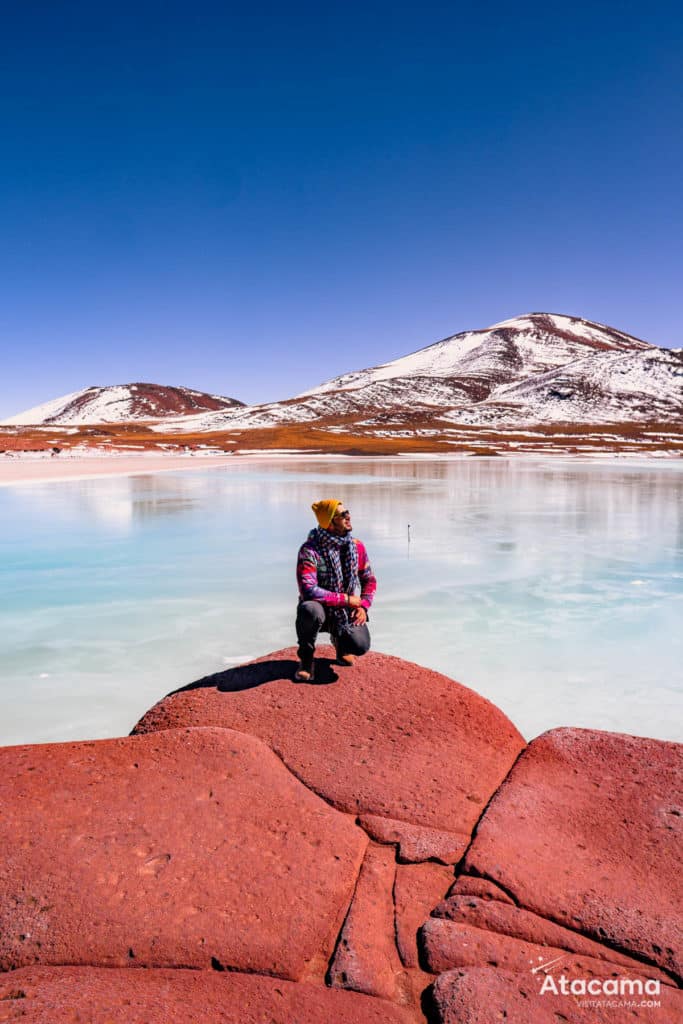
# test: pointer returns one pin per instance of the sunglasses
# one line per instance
(343, 515)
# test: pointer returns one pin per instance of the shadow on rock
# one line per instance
(428, 1004)
(248, 677)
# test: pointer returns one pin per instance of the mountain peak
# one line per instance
(564, 323)
(118, 403)
(511, 349)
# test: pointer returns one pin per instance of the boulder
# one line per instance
(384, 738)
(449, 944)
(514, 922)
(469, 885)
(416, 843)
(62, 995)
(223, 836)
(417, 888)
(483, 995)
(366, 959)
(188, 848)
(586, 831)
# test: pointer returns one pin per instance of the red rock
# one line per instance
(482, 996)
(415, 843)
(449, 944)
(387, 738)
(63, 995)
(366, 959)
(586, 831)
(508, 920)
(174, 849)
(468, 885)
(416, 889)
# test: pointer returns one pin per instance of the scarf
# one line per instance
(341, 555)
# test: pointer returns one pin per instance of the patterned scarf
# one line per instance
(341, 555)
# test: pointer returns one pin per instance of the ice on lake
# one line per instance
(554, 588)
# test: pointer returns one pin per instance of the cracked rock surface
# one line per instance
(62, 995)
(485, 996)
(366, 958)
(416, 889)
(587, 831)
(573, 877)
(182, 849)
(379, 846)
(384, 738)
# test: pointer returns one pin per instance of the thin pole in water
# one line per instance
(408, 540)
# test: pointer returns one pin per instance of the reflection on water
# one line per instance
(553, 588)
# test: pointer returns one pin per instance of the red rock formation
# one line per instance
(183, 849)
(482, 996)
(586, 831)
(417, 888)
(513, 922)
(197, 847)
(387, 739)
(63, 995)
(366, 958)
(468, 885)
(416, 843)
(448, 944)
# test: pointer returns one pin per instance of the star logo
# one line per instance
(543, 966)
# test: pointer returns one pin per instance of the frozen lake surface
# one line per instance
(554, 588)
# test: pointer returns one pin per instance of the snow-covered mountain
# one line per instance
(121, 403)
(540, 367)
(397, 395)
(604, 387)
(536, 368)
(508, 351)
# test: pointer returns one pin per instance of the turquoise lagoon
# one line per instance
(554, 588)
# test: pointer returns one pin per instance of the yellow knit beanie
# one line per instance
(325, 509)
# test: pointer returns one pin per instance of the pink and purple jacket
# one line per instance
(313, 579)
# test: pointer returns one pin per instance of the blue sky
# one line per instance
(249, 200)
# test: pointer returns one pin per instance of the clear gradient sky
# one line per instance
(250, 199)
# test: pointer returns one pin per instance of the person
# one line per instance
(332, 567)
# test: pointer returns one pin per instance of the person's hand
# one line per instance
(359, 616)
(354, 601)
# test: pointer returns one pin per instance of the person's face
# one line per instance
(341, 522)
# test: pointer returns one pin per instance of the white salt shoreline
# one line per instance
(29, 469)
(17, 470)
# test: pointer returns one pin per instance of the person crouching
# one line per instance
(336, 588)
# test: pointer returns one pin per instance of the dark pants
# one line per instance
(311, 619)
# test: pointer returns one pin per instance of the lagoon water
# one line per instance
(554, 588)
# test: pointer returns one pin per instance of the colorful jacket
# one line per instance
(314, 581)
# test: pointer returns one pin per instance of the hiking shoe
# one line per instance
(304, 673)
(344, 659)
